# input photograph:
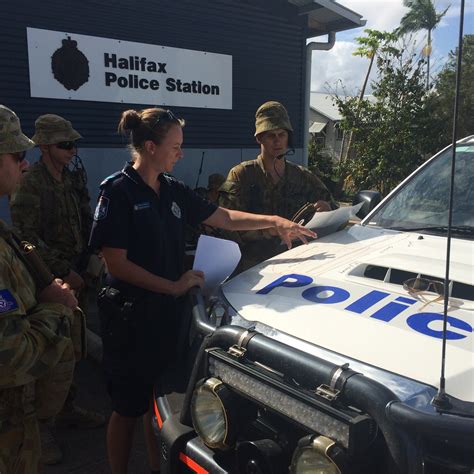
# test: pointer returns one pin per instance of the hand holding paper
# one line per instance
(217, 258)
(330, 221)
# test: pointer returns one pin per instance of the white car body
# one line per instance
(375, 323)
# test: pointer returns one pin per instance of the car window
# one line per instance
(424, 199)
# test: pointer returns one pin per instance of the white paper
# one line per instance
(217, 258)
(332, 220)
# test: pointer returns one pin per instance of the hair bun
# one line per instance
(130, 120)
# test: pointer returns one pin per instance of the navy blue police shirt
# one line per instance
(130, 215)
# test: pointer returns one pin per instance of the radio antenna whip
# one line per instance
(200, 169)
(441, 400)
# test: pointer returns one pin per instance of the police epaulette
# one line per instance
(110, 178)
(169, 177)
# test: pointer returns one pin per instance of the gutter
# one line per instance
(310, 47)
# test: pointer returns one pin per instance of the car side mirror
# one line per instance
(370, 200)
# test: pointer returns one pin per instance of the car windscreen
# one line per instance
(422, 203)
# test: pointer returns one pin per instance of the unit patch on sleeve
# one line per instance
(7, 301)
(101, 209)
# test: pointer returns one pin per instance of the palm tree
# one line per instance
(421, 16)
(369, 47)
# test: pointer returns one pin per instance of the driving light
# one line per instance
(313, 456)
(213, 410)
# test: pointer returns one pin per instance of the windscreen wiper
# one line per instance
(455, 229)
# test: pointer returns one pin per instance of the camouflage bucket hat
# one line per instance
(51, 129)
(270, 116)
(12, 139)
(215, 181)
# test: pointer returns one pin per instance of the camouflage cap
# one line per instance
(12, 139)
(51, 129)
(270, 116)
(215, 181)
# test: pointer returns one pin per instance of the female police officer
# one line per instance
(139, 226)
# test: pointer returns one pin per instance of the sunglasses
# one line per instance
(416, 286)
(19, 157)
(66, 145)
(168, 116)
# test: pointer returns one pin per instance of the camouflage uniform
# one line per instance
(250, 188)
(52, 216)
(55, 216)
(36, 352)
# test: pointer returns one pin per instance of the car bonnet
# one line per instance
(320, 294)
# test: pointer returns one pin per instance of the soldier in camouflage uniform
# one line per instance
(36, 352)
(51, 209)
(270, 184)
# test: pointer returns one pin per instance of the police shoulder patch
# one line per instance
(102, 208)
(7, 301)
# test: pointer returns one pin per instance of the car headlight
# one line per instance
(213, 411)
(313, 456)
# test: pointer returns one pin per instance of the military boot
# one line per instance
(50, 451)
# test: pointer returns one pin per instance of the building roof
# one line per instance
(324, 104)
(326, 16)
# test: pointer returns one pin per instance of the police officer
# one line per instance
(139, 226)
(51, 209)
(36, 352)
(270, 184)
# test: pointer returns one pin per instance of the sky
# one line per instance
(339, 64)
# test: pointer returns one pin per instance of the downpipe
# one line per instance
(310, 47)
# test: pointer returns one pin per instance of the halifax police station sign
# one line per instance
(79, 67)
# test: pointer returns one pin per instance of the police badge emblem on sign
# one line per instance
(176, 210)
(101, 209)
(7, 301)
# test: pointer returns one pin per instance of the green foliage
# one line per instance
(318, 162)
(370, 44)
(391, 134)
(442, 101)
(421, 16)
(322, 165)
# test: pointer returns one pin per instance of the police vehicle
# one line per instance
(327, 358)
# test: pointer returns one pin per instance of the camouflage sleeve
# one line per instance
(33, 337)
(86, 213)
(26, 216)
(319, 191)
(232, 196)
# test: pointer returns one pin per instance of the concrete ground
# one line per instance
(84, 450)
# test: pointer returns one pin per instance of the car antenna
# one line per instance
(441, 400)
(200, 169)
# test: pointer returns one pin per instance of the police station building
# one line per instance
(212, 62)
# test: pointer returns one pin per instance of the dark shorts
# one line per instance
(130, 396)
(138, 346)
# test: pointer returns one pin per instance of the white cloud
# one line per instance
(331, 67)
(382, 15)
